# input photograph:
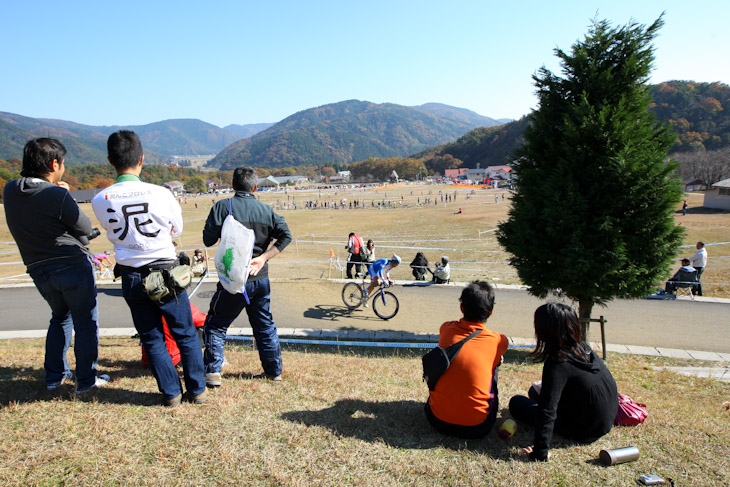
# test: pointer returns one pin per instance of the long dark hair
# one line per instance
(558, 332)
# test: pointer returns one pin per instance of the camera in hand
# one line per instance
(84, 239)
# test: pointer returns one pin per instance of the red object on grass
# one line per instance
(198, 321)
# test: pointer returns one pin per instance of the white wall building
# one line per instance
(719, 196)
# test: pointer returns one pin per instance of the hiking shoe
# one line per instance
(101, 380)
(213, 379)
(55, 385)
(173, 401)
(199, 398)
(264, 375)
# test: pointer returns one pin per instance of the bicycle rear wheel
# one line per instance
(352, 295)
(385, 305)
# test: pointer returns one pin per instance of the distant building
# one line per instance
(268, 182)
(719, 196)
(345, 175)
(176, 187)
(692, 184)
(211, 185)
(458, 173)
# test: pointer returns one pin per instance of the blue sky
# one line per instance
(137, 62)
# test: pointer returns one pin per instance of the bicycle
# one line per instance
(385, 303)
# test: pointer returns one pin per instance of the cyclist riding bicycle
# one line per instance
(380, 272)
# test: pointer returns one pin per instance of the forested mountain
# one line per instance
(341, 133)
(699, 113)
(86, 144)
(459, 115)
(247, 130)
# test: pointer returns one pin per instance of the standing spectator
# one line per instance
(354, 255)
(577, 397)
(224, 306)
(140, 220)
(465, 400)
(370, 254)
(684, 207)
(699, 261)
(51, 232)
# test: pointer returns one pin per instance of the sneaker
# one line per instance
(197, 399)
(213, 379)
(173, 401)
(101, 380)
(366, 305)
(264, 375)
(55, 385)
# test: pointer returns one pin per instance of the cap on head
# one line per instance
(444, 259)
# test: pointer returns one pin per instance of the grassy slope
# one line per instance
(339, 418)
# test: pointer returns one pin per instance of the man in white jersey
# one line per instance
(140, 220)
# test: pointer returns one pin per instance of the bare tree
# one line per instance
(707, 166)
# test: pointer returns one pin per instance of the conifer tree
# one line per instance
(592, 215)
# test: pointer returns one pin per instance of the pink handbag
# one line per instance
(630, 412)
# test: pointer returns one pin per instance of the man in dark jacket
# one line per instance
(49, 229)
(224, 306)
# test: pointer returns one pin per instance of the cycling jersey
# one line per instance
(380, 268)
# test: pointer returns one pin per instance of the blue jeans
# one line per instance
(69, 288)
(225, 307)
(147, 317)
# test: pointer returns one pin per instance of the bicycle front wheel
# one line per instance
(385, 305)
(352, 295)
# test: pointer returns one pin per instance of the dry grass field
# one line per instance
(347, 417)
(405, 224)
(340, 417)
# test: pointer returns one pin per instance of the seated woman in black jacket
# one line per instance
(577, 397)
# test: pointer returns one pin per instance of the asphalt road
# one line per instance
(690, 325)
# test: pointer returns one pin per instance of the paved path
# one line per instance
(315, 304)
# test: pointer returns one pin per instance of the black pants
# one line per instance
(354, 260)
(526, 410)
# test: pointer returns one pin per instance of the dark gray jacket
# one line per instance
(254, 215)
(45, 221)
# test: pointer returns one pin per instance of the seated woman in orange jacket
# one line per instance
(465, 401)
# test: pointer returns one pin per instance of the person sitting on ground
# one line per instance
(380, 272)
(685, 274)
(442, 273)
(199, 266)
(465, 400)
(420, 266)
(577, 397)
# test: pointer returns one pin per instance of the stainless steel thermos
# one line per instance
(619, 455)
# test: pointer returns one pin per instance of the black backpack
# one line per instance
(437, 360)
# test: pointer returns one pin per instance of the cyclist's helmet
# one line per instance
(395, 258)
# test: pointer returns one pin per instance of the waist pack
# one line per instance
(163, 282)
(630, 412)
(438, 360)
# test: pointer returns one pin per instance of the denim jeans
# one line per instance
(69, 288)
(147, 317)
(225, 308)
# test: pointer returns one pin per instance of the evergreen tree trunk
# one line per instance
(585, 306)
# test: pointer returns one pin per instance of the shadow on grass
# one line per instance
(27, 385)
(400, 424)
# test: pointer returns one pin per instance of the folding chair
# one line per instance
(686, 284)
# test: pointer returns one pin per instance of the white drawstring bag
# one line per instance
(233, 259)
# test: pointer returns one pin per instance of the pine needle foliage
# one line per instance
(592, 216)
